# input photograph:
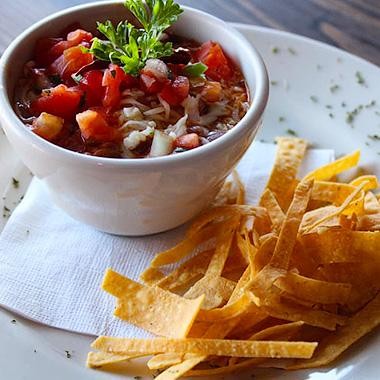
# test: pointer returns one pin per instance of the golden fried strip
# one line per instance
(218, 347)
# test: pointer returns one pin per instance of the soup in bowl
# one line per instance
(132, 128)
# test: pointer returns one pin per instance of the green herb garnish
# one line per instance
(131, 47)
(372, 103)
(77, 77)
(359, 78)
(334, 88)
(314, 99)
(281, 119)
(15, 183)
(195, 70)
(291, 132)
(351, 115)
(374, 137)
(275, 50)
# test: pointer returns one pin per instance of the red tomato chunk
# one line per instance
(91, 85)
(72, 60)
(58, 101)
(94, 127)
(177, 91)
(114, 79)
(189, 141)
(212, 55)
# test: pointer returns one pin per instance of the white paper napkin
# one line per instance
(51, 266)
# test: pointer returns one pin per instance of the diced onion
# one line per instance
(154, 111)
(157, 67)
(179, 128)
(166, 106)
(162, 144)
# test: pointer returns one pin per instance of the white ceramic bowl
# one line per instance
(133, 196)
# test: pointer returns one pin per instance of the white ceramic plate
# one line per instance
(314, 86)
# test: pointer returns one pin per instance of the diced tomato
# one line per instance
(177, 91)
(72, 60)
(212, 92)
(150, 84)
(74, 38)
(189, 141)
(94, 127)
(59, 101)
(91, 85)
(114, 79)
(78, 36)
(43, 53)
(212, 55)
(176, 69)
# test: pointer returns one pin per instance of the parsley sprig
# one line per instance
(131, 47)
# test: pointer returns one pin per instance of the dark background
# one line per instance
(353, 25)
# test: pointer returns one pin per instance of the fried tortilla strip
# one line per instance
(269, 333)
(185, 247)
(264, 253)
(216, 290)
(176, 371)
(240, 287)
(210, 285)
(335, 344)
(369, 222)
(165, 360)
(218, 347)
(101, 359)
(151, 276)
(277, 331)
(290, 152)
(206, 373)
(331, 192)
(154, 309)
(337, 192)
(371, 204)
(275, 212)
(370, 180)
(226, 312)
(334, 246)
(350, 203)
(278, 308)
(363, 275)
(314, 291)
(289, 230)
(312, 218)
(185, 275)
(222, 250)
(326, 172)
(216, 330)
(200, 231)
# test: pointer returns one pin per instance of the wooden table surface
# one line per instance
(353, 25)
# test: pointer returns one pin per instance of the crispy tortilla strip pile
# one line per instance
(290, 283)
